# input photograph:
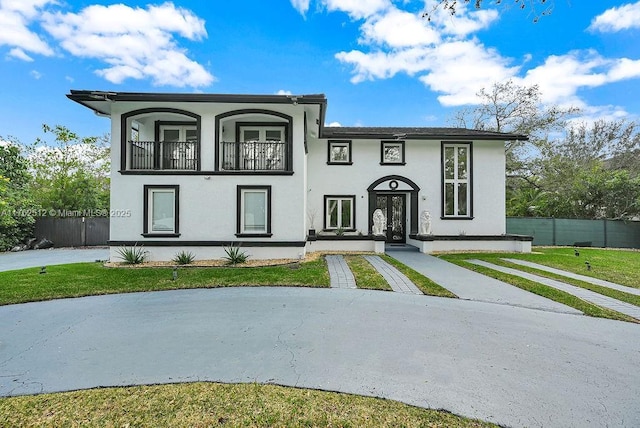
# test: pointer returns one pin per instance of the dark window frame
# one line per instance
(469, 145)
(147, 188)
(325, 226)
(124, 152)
(349, 145)
(239, 232)
(288, 121)
(401, 143)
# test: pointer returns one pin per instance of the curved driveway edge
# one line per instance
(49, 257)
(513, 366)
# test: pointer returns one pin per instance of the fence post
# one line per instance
(83, 232)
(553, 222)
(605, 233)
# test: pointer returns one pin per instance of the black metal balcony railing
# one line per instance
(180, 155)
(254, 156)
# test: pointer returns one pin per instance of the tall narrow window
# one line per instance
(254, 211)
(456, 180)
(161, 210)
(339, 212)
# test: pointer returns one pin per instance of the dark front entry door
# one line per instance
(394, 209)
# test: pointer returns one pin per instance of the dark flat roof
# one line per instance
(100, 102)
(402, 133)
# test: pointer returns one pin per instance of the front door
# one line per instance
(394, 209)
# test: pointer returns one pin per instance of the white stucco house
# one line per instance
(198, 172)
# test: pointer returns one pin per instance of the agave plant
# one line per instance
(132, 255)
(235, 255)
(184, 258)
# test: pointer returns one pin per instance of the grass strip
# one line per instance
(213, 404)
(618, 266)
(422, 282)
(554, 294)
(365, 274)
(605, 291)
(84, 279)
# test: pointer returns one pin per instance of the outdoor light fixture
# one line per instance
(43, 269)
(577, 252)
(175, 274)
(588, 265)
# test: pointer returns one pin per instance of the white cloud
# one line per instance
(562, 76)
(398, 29)
(301, 6)
(334, 125)
(20, 54)
(617, 19)
(136, 43)
(446, 56)
(357, 9)
(15, 18)
(284, 92)
(35, 74)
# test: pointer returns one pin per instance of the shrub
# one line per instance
(184, 258)
(234, 255)
(132, 255)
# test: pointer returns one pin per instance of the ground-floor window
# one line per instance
(339, 212)
(161, 210)
(254, 210)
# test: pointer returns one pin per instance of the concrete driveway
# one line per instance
(49, 257)
(510, 365)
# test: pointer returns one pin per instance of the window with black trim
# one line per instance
(392, 153)
(339, 153)
(456, 180)
(339, 212)
(161, 210)
(254, 211)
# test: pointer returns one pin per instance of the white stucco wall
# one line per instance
(208, 202)
(423, 168)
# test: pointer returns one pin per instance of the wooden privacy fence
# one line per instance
(559, 231)
(73, 231)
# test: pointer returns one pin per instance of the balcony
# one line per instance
(254, 156)
(163, 155)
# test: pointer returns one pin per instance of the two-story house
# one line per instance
(199, 172)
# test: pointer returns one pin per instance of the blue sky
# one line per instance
(378, 62)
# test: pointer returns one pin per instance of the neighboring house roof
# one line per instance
(408, 133)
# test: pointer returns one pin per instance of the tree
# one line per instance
(592, 172)
(537, 8)
(72, 174)
(16, 206)
(508, 107)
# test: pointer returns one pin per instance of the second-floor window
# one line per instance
(259, 148)
(175, 147)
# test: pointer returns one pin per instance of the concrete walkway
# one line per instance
(396, 279)
(339, 273)
(54, 256)
(470, 285)
(589, 279)
(587, 295)
(512, 366)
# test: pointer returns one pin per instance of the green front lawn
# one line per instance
(619, 266)
(547, 257)
(213, 404)
(84, 279)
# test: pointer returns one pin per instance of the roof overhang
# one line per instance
(101, 101)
